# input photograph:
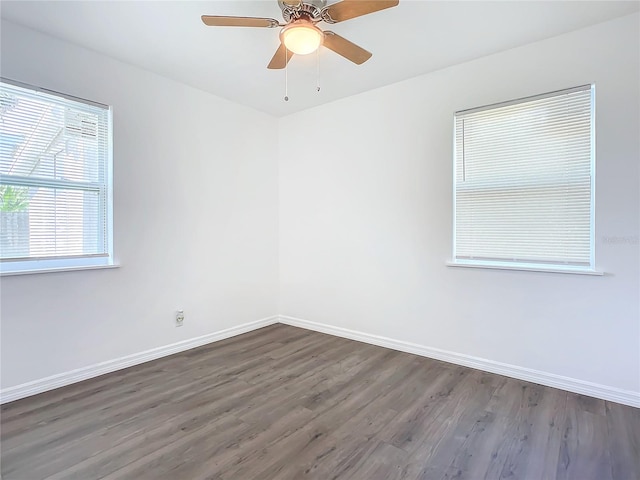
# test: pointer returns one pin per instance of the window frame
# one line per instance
(550, 267)
(33, 265)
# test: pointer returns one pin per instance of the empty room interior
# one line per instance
(320, 239)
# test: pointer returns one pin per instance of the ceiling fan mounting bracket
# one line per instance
(308, 9)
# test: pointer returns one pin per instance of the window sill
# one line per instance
(9, 273)
(523, 268)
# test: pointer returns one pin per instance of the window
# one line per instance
(55, 181)
(523, 183)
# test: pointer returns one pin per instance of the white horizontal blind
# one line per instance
(54, 154)
(523, 186)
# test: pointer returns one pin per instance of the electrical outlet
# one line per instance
(179, 318)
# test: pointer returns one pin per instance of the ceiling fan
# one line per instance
(300, 34)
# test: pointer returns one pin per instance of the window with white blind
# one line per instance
(55, 181)
(524, 183)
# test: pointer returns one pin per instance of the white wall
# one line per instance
(195, 214)
(365, 216)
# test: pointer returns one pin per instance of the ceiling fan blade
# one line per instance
(344, 47)
(220, 21)
(281, 58)
(292, 3)
(348, 9)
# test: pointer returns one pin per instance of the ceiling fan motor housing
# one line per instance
(307, 9)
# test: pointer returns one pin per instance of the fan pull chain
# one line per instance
(318, 70)
(286, 75)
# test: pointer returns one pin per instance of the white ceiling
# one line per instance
(416, 37)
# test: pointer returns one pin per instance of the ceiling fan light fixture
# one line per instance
(301, 37)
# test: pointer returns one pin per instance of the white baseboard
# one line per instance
(626, 397)
(60, 380)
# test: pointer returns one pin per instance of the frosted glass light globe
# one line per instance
(302, 38)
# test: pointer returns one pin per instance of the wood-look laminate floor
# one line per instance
(286, 403)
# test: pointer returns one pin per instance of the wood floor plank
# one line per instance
(526, 440)
(438, 423)
(584, 449)
(62, 454)
(385, 462)
(285, 403)
(624, 441)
